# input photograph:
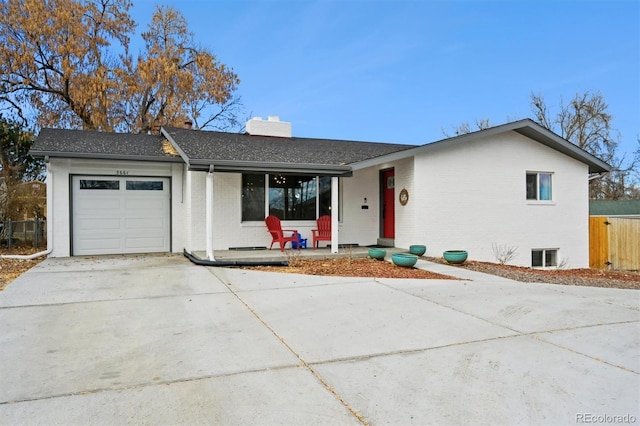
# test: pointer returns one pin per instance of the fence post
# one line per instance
(9, 225)
(40, 232)
(36, 232)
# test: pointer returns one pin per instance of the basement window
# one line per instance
(544, 258)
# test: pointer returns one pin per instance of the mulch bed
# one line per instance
(351, 267)
(580, 277)
(366, 267)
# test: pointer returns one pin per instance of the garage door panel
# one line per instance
(144, 204)
(150, 212)
(145, 225)
(144, 243)
(132, 219)
(96, 225)
(97, 244)
(98, 204)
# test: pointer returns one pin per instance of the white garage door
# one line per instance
(117, 215)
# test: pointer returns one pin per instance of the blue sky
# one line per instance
(403, 71)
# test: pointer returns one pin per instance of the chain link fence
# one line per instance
(23, 231)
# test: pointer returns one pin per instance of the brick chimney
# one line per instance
(270, 127)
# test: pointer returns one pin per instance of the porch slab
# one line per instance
(266, 255)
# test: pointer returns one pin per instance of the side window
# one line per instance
(539, 186)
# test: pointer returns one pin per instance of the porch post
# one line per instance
(209, 213)
(334, 214)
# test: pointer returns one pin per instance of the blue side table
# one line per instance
(301, 243)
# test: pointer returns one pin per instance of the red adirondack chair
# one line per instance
(323, 233)
(277, 233)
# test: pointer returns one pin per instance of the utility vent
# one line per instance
(270, 127)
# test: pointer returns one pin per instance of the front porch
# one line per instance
(265, 255)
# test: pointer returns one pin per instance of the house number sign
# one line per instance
(122, 172)
(404, 196)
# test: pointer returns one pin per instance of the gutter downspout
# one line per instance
(49, 221)
(228, 263)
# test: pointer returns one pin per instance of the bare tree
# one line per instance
(465, 128)
(586, 122)
(69, 60)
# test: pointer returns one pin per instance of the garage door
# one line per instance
(118, 215)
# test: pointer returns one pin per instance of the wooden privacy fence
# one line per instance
(614, 243)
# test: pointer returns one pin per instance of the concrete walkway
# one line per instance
(158, 340)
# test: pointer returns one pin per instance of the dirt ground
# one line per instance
(10, 269)
(366, 267)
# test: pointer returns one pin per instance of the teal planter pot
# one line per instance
(455, 256)
(376, 253)
(405, 260)
(417, 249)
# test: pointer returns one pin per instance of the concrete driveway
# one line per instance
(158, 340)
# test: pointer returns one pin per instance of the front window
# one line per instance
(324, 196)
(542, 258)
(539, 186)
(253, 196)
(289, 197)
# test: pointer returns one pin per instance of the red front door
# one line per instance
(388, 204)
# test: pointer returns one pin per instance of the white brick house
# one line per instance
(515, 185)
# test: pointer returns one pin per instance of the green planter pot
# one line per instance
(376, 253)
(405, 260)
(417, 249)
(455, 256)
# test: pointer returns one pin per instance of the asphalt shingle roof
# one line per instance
(219, 146)
(243, 152)
(87, 144)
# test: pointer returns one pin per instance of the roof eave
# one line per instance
(94, 156)
(526, 127)
(271, 167)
